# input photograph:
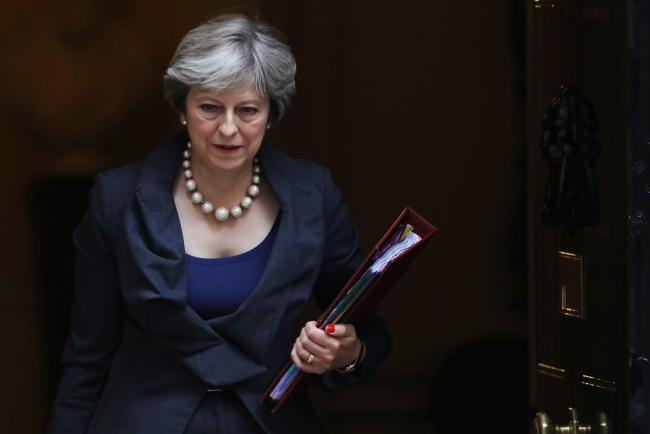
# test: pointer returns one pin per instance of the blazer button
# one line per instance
(214, 389)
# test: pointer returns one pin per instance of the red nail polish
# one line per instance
(330, 328)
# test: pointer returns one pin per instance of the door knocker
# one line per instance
(570, 144)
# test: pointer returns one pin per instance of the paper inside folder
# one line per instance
(411, 239)
(399, 242)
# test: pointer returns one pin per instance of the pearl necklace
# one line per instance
(221, 213)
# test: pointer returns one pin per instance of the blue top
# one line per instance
(218, 286)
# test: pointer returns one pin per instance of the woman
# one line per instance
(193, 266)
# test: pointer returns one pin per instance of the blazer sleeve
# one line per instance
(342, 256)
(96, 319)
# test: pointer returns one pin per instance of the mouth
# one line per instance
(227, 148)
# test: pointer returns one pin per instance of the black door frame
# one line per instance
(637, 125)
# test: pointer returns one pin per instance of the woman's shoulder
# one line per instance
(121, 179)
(300, 172)
(124, 179)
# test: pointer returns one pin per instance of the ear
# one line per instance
(183, 120)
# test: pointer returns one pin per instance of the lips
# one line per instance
(227, 148)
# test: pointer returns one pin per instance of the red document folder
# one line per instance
(369, 299)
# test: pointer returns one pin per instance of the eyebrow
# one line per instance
(208, 94)
(249, 101)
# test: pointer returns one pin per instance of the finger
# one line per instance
(341, 330)
(301, 351)
(318, 335)
(323, 357)
(314, 340)
(296, 359)
(300, 364)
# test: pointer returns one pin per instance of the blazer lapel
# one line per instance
(155, 274)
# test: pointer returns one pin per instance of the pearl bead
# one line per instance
(207, 207)
(236, 211)
(221, 214)
(253, 190)
(246, 202)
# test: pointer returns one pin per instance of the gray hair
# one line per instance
(229, 52)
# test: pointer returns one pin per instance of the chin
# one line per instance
(231, 165)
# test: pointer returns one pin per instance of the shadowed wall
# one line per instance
(409, 103)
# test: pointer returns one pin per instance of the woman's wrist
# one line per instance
(354, 365)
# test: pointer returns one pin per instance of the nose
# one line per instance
(228, 126)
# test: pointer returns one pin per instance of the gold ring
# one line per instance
(310, 359)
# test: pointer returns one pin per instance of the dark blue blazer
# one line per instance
(139, 360)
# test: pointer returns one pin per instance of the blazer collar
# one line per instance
(254, 324)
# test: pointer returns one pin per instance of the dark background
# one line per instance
(409, 103)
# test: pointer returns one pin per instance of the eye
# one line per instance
(209, 108)
(248, 110)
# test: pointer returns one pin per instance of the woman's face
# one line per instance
(226, 127)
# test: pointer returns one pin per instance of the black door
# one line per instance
(588, 190)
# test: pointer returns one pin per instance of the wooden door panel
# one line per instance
(548, 55)
(548, 27)
(576, 42)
